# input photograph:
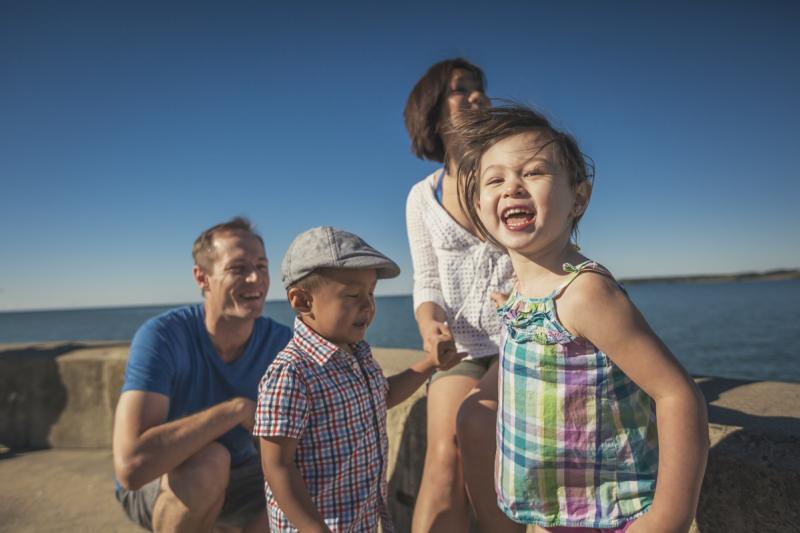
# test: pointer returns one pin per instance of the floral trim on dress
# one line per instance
(535, 319)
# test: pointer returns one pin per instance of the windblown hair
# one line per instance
(482, 129)
(424, 104)
(203, 249)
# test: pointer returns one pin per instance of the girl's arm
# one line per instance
(288, 486)
(596, 309)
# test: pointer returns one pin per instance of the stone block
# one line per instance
(63, 395)
(60, 395)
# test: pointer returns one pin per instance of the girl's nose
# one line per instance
(513, 188)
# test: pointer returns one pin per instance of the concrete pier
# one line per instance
(59, 398)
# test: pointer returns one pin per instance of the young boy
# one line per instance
(322, 403)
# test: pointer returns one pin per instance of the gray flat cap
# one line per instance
(327, 247)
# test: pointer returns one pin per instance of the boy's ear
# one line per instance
(583, 191)
(300, 300)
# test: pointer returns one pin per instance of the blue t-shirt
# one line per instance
(172, 354)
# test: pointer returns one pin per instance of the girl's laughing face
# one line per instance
(526, 201)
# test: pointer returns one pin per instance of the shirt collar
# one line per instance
(321, 349)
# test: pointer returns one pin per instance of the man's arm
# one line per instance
(146, 446)
(288, 486)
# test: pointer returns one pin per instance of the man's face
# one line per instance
(237, 280)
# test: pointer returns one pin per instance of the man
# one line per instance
(184, 457)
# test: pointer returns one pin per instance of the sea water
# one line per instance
(745, 330)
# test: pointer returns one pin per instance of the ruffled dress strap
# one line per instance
(577, 270)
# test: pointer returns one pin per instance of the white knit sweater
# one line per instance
(455, 270)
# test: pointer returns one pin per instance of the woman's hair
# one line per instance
(423, 108)
(482, 129)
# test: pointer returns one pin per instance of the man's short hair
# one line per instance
(203, 249)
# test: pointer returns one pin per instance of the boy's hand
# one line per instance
(441, 349)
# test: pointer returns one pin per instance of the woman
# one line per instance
(455, 275)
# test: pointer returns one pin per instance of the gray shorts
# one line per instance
(244, 497)
(474, 368)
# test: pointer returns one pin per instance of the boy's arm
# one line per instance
(288, 486)
(403, 385)
(600, 312)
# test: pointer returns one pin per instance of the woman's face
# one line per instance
(464, 91)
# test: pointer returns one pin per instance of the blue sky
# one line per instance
(128, 128)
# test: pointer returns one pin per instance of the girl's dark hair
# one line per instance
(423, 107)
(482, 129)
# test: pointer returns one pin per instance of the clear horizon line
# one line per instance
(134, 306)
(654, 279)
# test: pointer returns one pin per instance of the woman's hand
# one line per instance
(438, 342)
(499, 298)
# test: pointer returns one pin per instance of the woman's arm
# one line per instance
(427, 285)
(428, 299)
(596, 309)
(288, 486)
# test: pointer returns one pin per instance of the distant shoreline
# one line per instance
(770, 275)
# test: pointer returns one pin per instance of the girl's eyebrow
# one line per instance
(535, 157)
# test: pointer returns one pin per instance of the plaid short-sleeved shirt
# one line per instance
(334, 404)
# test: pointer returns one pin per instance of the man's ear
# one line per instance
(583, 191)
(200, 277)
(300, 300)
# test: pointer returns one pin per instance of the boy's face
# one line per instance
(343, 305)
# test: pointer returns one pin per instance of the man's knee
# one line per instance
(201, 480)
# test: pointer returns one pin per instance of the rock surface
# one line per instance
(62, 395)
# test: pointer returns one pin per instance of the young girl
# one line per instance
(583, 380)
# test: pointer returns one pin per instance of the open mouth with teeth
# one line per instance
(517, 218)
(251, 296)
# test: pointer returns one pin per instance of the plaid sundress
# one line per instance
(577, 440)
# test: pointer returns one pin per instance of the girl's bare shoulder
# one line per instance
(590, 296)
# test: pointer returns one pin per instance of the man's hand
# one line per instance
(248, 408)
